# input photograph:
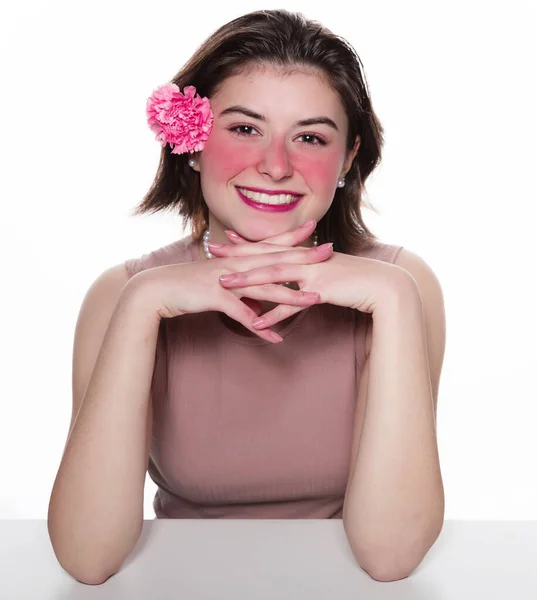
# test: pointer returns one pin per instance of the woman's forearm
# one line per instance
(394, 504)
(96, 506)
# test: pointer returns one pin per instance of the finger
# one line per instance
(262, 276)
(273, 253)
(247, 249)
(239, 311)
(277, 314)
(288, 238)
(234, 237)
(295, 236)
(291, 268)
(280, 294)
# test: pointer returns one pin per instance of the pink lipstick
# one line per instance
(269, 207)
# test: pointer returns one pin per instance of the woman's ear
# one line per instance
(351, 155)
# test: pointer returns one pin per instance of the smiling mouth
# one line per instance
(272, 199)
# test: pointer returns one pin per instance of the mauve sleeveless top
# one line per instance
(246, 429)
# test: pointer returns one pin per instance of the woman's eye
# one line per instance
(243, 129)
(312, 140)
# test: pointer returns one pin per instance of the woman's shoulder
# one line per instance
(176, 252)
(379, 250)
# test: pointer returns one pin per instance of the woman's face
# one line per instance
(276, 132)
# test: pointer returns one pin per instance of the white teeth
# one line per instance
(268, 199)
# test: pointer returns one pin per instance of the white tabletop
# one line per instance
(267, 559)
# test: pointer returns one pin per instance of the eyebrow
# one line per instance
(253, 115)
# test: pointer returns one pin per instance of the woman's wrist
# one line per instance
(138, 298)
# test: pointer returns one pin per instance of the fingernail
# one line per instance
(308, 223)
(215, 245)
(226, 278)
(258, 322)
(311, 294)
(231, 233)
(275, 337)
(324, 247)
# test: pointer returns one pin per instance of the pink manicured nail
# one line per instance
(275, 337)
(232, 234)
(324, 247)
(215, 245)
(226, 278)
(258, 322)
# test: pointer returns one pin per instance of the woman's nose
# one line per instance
(276, 161)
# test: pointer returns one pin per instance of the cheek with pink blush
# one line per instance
(319, 172)
(228, 159)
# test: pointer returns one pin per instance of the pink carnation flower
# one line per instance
(183, 121)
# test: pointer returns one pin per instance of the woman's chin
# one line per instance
(258, 234)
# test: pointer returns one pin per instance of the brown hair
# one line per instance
(288, 40)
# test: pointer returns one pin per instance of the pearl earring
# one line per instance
(341, 182)
(191, 162)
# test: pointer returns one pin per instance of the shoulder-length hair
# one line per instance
(289, 40)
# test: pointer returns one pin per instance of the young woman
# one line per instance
(279, 362)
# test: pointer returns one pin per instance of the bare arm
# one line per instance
(394, 503)
(96, 506)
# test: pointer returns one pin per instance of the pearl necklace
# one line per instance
(206, 240)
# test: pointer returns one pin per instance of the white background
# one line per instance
(453, 83)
